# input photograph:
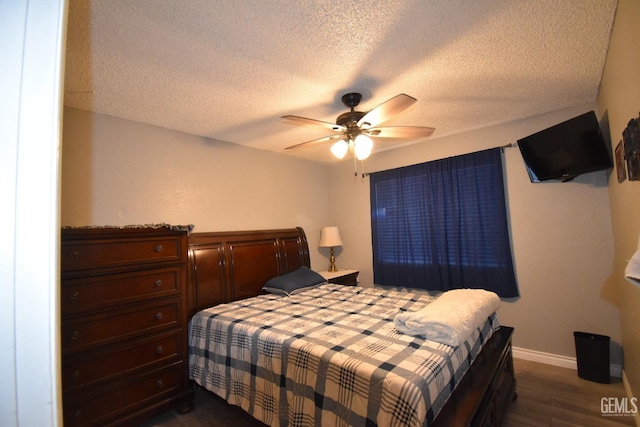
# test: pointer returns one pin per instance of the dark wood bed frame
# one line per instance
(227, 266)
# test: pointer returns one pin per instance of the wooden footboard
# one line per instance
(483, 396)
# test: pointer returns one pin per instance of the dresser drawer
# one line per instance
(99, 406)
(87, 368)
(90, 293)
(80, 255)
(85, 331)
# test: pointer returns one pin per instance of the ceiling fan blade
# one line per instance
(317, 123)
(386, 110)
(314, 142)
(400, 132)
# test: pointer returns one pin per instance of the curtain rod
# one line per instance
(502, 147)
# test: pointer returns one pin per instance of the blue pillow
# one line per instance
(293, 282)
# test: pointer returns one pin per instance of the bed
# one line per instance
(329, 354)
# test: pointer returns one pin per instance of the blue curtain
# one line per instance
(443, 225)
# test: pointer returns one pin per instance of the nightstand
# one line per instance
(341, 277)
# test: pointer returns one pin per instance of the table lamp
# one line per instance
(330, 238)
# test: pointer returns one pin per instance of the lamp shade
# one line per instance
(340, 148)
(330, 237)
(363, 146)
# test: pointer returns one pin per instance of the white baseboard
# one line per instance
(557, 360)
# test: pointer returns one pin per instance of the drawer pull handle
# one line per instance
(159, 349)
(75, 295)
(159, 315)
(76, 375)
(75, 335)
(159, 383)
(158, 283)
(74, 254)
(159, 248)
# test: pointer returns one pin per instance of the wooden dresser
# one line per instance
(124, 321)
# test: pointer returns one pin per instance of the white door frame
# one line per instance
(33, 39)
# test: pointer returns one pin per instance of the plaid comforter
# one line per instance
(327, 356)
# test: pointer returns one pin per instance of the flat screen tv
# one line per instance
(566, 150)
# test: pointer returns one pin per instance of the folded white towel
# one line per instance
(452, 317)
(632, 271)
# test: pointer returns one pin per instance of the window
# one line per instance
(442, 225)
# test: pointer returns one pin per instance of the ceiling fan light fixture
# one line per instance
(363, 146)
(354, 128)
(340, 148)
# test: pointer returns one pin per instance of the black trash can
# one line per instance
(592, 354)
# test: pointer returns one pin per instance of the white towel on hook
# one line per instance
(632, 272)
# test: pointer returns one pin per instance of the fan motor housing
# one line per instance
(345, 119)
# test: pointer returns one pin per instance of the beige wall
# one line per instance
(620, 99)
(119, 172)
(561, 236)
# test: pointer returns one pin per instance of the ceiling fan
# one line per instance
(355, 129)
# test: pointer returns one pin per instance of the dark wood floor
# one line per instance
(553, 396)
(547, 396)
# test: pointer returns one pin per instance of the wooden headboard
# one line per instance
(231, 265)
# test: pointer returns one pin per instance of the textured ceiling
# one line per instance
(229, 69)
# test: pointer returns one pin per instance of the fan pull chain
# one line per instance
(355, 166)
